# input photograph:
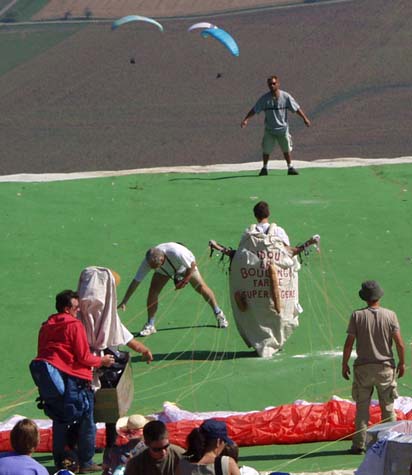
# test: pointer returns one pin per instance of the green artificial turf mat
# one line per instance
(51, 231)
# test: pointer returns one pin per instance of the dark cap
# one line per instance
(214, 429)
(370, 291)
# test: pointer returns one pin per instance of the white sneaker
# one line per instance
(147, 330)
(221, 320)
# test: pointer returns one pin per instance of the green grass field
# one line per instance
(18, 44)
(51, 231)
(22, 10)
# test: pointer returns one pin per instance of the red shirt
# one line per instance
(63, 343)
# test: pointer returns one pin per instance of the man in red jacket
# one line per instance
(63, 372)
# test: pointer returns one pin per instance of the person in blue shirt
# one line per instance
(24, 438)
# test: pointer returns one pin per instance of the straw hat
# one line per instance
(131, 423)
(116, 277)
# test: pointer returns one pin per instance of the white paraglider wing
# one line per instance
(129, 18)
(202, 24)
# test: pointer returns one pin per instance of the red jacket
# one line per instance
(63, 343)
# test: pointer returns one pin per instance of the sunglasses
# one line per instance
(159, 449)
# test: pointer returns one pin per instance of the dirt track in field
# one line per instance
(157, 8)
(82, 106)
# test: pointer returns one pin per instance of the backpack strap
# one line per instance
(171, 265)
(218, 466)
(271, 229)
(252, 228)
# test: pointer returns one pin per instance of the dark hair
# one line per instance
(24, 437)
(231, 450)
(261, 210)
(69, 462)
(154, 431)
(269, 79)
(64, 299)
(198, 444)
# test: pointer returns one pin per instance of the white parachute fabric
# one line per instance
(98, 309)
(264, 290)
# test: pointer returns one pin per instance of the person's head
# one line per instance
(261, 210)
(67, 302)
(211, 435)
(273, 83)
(131, 427)
(69, 464)
(155, 257)
(156, 439)
(25, 437)
(370, 291)
(231, 450)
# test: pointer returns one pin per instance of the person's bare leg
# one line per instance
(207, 293)
(288, 158)
(264, 170)
(291, 169)
(156, 286)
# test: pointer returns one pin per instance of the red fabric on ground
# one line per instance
(287, 424)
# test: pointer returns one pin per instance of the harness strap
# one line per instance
(171, 265)
(218, 466)
(270, 230)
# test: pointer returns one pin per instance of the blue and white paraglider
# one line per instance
(224, 37)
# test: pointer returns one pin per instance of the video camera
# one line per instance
(109, 377)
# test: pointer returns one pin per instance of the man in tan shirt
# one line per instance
(374, 329)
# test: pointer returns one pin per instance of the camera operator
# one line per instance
(63, 372)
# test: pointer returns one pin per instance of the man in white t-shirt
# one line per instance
(170, 260)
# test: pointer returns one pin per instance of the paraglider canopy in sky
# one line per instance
(202, 24)
(224, 37)
(130, 18)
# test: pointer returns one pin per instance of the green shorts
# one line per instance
(270, 140)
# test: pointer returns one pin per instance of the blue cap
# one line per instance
(214, 429)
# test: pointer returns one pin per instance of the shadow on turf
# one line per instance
(158, 330)
(43, 458)
(214, 179)
(202, 355)
(322, 453)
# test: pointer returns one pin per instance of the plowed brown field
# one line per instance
(82, 106)
(157, 8)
